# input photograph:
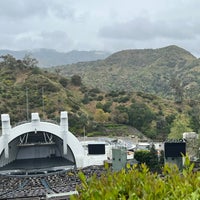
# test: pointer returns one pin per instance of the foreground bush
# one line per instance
(138, 182)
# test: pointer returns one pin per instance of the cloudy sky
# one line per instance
(109, 25)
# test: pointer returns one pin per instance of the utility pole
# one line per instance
(43, 101)
(27, 107)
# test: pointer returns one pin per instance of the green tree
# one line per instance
(63, 81)
(150, 158)
(142, 156)
(76, 80)
(101, 116)
(106, 106)
(120, 117)
(153, 163)
(163, 127)
(140, 116)
(29, 62)
(176, 85)
(86, 99)
(180, 125)
(8, 60)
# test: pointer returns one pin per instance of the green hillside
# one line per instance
(25, 88)
(169, 72)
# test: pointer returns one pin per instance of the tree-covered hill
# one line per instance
(170, 72)
(25, 88)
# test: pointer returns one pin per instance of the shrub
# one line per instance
(140, 116)
(63, 82)
(100, 98)
(85, 99)
(76, 80)
(99, 105)
(123, 99)
(95, 90)
(138, 183)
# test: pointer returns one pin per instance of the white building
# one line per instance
(40, 141)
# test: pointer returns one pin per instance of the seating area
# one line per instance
(37, 186)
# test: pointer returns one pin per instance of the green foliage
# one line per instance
(76, 80)
(64, 81)
(95, 90)
(51, 93)
(150, 158)
(99, 105)
(77, 122)
(100, 98)
(36, 82)
(30, 62)
(138, 183)
(142, 156)
(113, 94)
(85, 99)
(36, 70)
(106, 106)
(145, 70)
(140, 116)
(178, 89)
(27, 62)
(91, 95)
(162, 127)
(180, 125)
(120, 117)
(122, 99)
(83, 89)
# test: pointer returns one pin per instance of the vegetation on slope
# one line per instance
(25, 88)
(170, 72)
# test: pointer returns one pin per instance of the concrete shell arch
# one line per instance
(9, 134)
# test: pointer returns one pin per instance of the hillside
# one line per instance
(165, 72)
(50, 57)
(25, 88)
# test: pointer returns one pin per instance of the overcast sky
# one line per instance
(109, 25)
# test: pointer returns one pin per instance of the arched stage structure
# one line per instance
(39, 144)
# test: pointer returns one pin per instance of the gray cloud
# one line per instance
(14, 10)
(25, 9)
(56, 40)
(111, 25)
(27, 24)
(147, 29)
(62, 40)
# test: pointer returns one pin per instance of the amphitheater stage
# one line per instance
(37, 165)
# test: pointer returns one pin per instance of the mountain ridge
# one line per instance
(132, 53)
(51, 57)
(147, 70)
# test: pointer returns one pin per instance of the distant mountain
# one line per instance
(50, 57)
(164, 72)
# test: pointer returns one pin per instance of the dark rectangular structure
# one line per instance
(174, 149)
(96, 149)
